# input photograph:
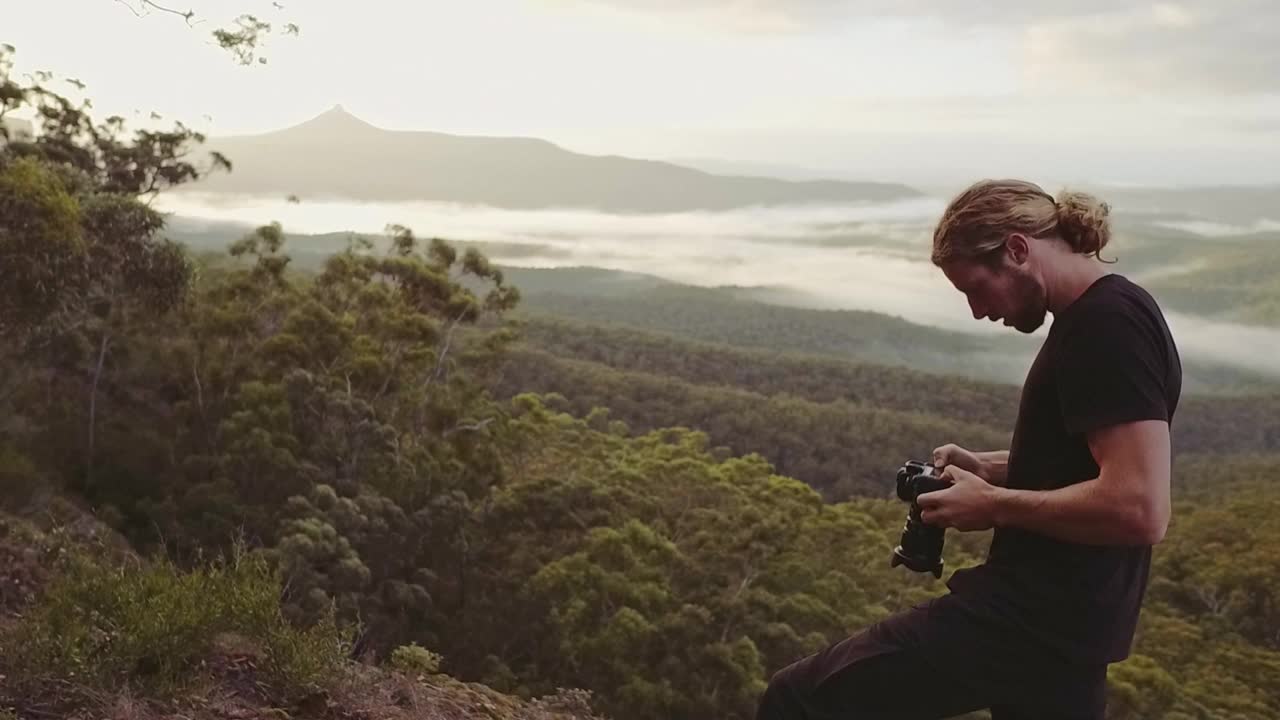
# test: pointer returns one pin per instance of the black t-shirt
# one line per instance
(1108, 358)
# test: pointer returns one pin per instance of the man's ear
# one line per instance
(1017, 248)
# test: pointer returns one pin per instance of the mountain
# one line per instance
(337, 155)
(719, 166)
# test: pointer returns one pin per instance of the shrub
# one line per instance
(151, 623)
(412, 659)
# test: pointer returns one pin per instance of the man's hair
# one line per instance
(974, 226)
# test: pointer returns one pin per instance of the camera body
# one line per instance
(921, 545)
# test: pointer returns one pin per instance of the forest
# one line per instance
(379, 470)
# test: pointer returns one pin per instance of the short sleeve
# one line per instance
(1110, 371)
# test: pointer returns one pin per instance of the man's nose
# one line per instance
(978, 311)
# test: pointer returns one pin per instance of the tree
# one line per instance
(82, 258)
(244, 37)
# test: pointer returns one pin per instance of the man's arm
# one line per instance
(1127, 504)
(995, 464)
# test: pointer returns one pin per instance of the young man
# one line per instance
(1076, 502)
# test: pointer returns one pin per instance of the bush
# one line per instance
(412, 659)
(152, 624)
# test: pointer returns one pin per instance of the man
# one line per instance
(1076, 502)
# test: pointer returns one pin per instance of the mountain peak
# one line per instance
(334, 120)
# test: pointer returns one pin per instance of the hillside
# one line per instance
(55, 552)
(1240, 281)
(337, 155)
(746, 318)
(842, 427)
(313, 415)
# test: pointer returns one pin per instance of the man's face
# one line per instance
(1005, 292)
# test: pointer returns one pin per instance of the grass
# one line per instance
(151, 625)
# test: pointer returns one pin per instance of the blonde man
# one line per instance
(1076, 502)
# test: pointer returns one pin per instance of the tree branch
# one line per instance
(187, 16)
(93, 405)
(448, 340)
(473, 427)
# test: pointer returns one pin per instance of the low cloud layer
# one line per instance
(867, 258)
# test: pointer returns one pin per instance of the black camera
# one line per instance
(921, 548)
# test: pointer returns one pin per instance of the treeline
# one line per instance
(777, 371)
(844, 428)
(719, 317)
(838, 447)
(729, 316)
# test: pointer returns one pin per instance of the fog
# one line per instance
(1212, 229)
(1246, 346)
(863, 257)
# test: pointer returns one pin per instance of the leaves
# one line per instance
(244, 38)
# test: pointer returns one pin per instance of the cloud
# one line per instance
(1104, 46)
(1268, 125)
(1227, 47)
(794, 13)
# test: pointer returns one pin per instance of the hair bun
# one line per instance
(1082, 222)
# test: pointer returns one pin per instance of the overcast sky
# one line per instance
(916, 90)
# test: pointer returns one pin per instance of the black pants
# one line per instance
(934, 661)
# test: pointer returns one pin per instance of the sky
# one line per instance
(920, 91)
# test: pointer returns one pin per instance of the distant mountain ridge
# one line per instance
(337, 155)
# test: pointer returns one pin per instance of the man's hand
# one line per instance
(969, 504)
(952, 454)
(990, 466)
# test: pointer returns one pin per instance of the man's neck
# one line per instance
(1072, 275)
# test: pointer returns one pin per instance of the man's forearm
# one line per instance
(994, 466)
(1085, 513)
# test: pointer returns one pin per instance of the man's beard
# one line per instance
(1030, 303)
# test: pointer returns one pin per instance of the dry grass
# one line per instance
(374, 694)
(232, 692)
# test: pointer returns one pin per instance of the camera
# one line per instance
(921, 544)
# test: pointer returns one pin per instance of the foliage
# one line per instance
(79, 246)
(839, 448)
(841, 427)
(152, 624)
(718, 316)
(413, 659)
(244, 37)
(776, 372)
(666, 580)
